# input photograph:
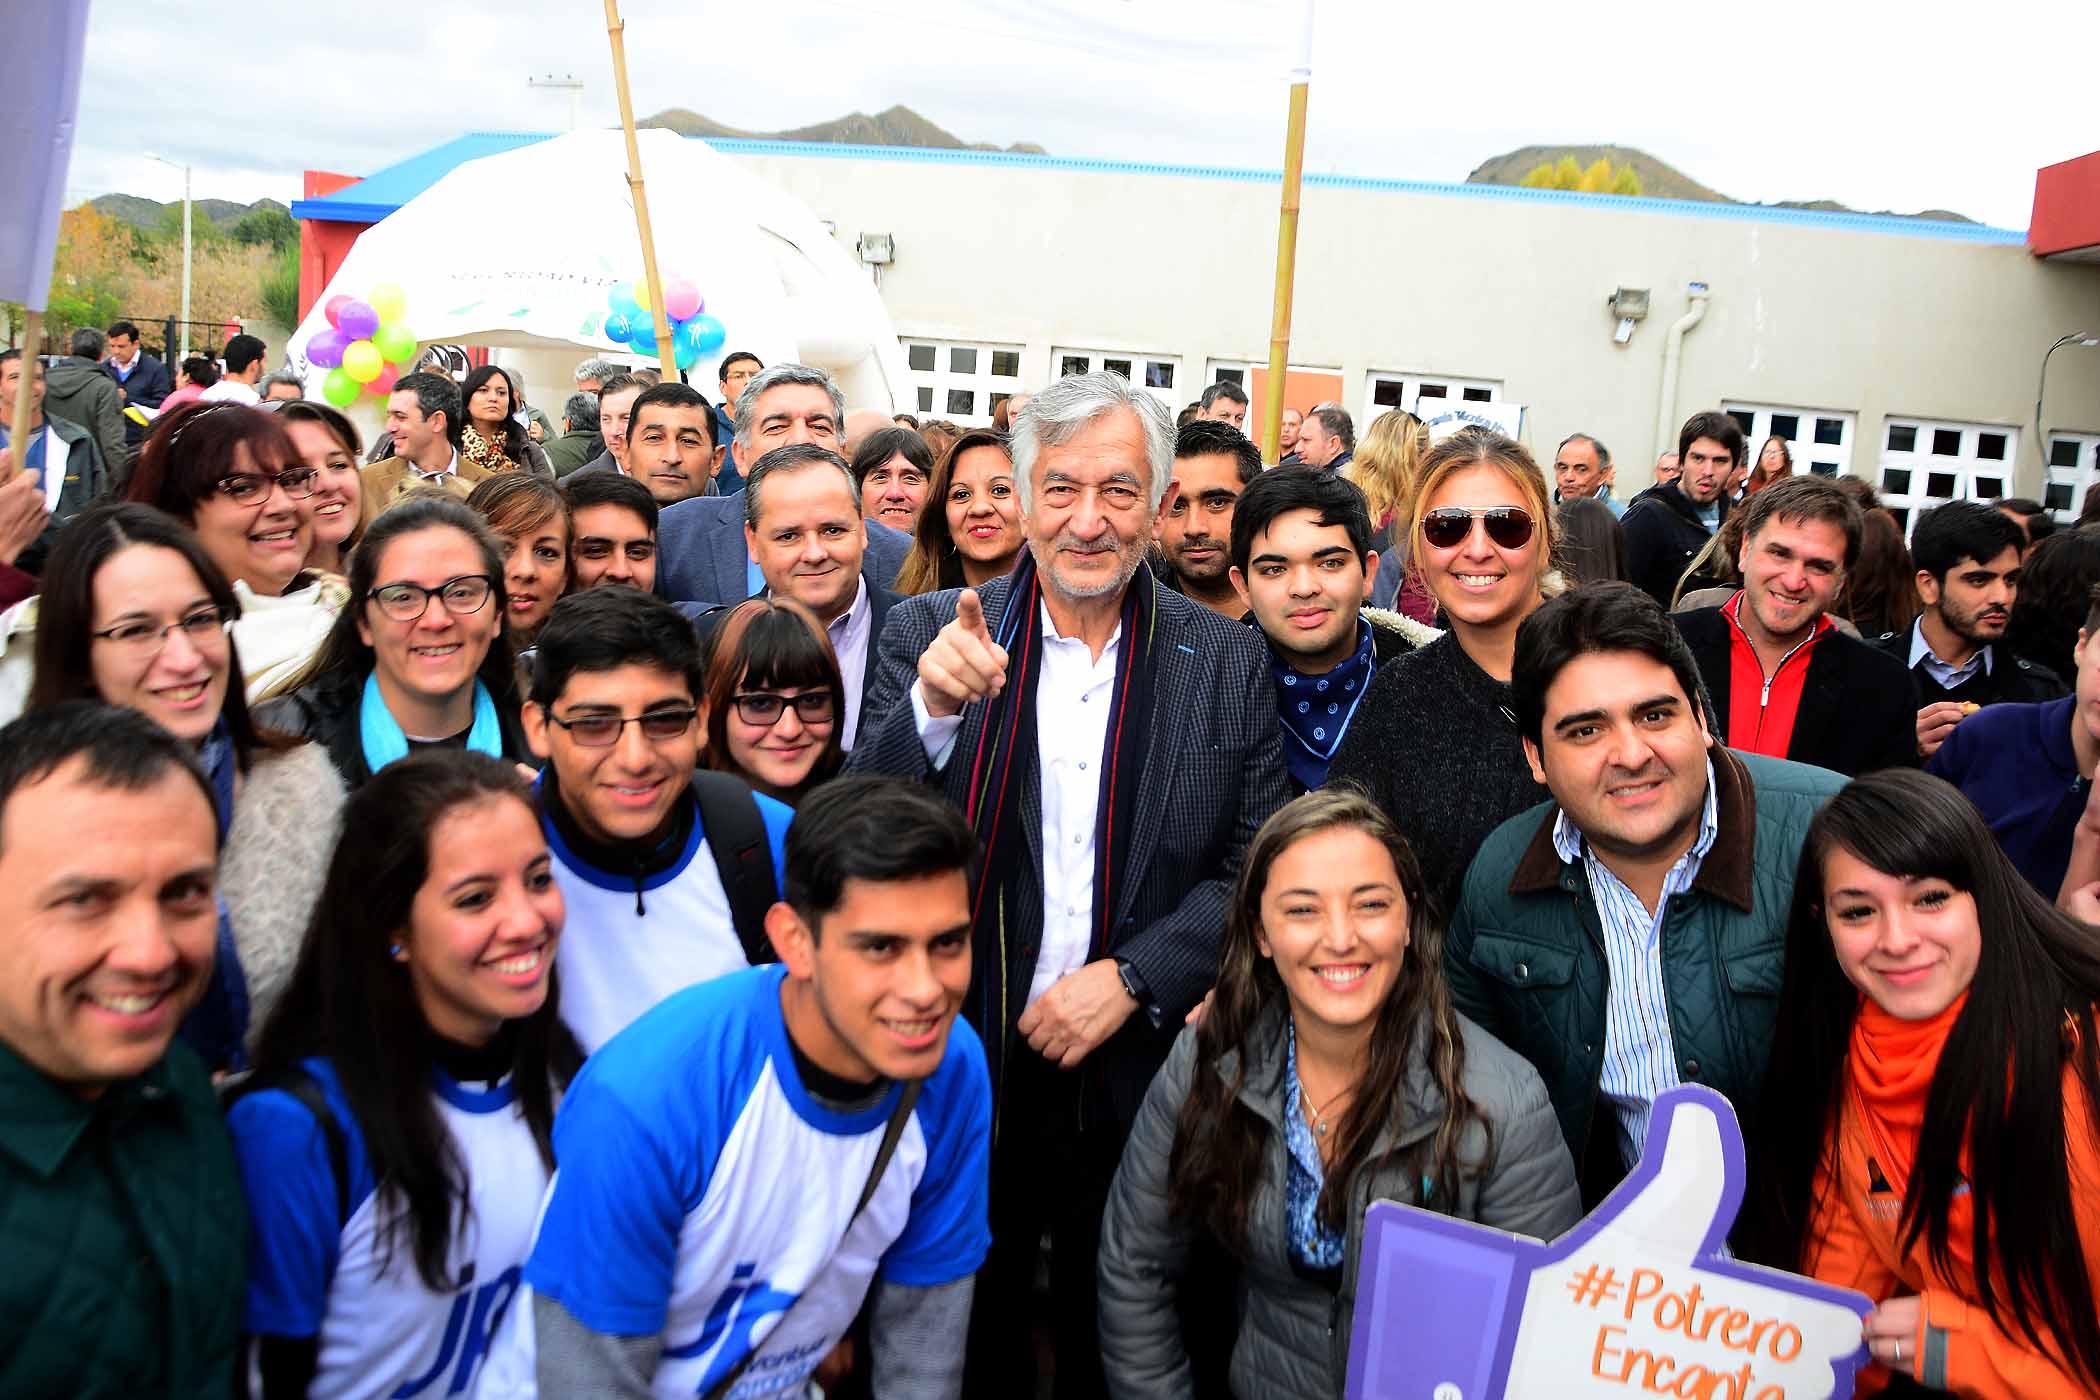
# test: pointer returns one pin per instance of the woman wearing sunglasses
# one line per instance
(421, 658)
(773, 699)
(135, 614)
(1937, 1145)
(1435, 742)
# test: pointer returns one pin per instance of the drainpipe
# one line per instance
(1673, 352)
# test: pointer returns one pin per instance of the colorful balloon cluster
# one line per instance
(365, 348)
(694, 334)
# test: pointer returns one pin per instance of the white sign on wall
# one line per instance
(1504, 418)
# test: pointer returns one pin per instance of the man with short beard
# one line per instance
(1213, 463)
(1627, 936)
(1669, 523)
(1969, 561)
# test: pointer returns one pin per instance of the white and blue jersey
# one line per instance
(616, 963)
(702, 1193)
(352, 1285)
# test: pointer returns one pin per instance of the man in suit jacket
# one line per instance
(143, 379)
(704, 557)
(64, 455)
(1116, 747)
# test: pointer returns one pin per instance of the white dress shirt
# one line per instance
(849, 642)
(1072, 700)
(451, 468)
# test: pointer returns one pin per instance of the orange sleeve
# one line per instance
(1840, 1252)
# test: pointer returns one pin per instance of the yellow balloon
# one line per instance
(389, 301)
(362, 362)
(641, 294)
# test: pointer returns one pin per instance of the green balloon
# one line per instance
(339, 388)
(395, 342)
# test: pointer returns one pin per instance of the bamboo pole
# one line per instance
(18, 411)
(1286, 250)
(616, 29)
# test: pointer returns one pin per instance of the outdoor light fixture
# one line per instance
(2085, 340)
(1629, 304)
(877, 249)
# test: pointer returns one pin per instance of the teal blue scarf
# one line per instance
(384, 741)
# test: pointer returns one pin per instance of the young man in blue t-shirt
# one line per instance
(667, 872)
(742, 1167)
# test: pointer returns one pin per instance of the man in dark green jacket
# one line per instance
(121, 1221)
(1630, 934)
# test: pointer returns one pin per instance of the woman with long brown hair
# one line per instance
(970, 527)
(1329, 1072)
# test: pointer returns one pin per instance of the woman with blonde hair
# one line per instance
(1384, 467)
(1480, 532)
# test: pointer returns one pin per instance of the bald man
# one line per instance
(859, 423)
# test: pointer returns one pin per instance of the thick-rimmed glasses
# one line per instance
(246, 488)
(603, 731)
(762, 708)
(406, 602)
(141, 638)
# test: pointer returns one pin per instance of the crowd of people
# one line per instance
(731, 896)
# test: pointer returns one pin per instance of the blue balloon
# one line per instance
(641, 335)
(685, 355)
(705, 334)
(617, 330)
(621, 299)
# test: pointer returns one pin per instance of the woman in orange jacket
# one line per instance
(1929, 1133)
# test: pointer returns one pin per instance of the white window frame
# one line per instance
(1174, 395)
(1973, 476)
(1457, 388)
(1821, 458)
(2079, 476)
(985, 387)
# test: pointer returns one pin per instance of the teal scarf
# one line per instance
(384, 741)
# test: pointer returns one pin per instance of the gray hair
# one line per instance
(582, 412)
(596, 367)
(1335, 421)
(1603, 452)
(793, 457)
(747, 402)
(283, 376)
(88, 343)
(1055, 415)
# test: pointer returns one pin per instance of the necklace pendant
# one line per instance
(1320, 1128)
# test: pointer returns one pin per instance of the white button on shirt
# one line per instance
(1071, 732)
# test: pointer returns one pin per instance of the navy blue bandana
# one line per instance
(1316, 710)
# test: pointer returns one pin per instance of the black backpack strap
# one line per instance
(306, 1089)
(736, 834)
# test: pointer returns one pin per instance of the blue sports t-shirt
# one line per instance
(353, 1285)
(702, 1193)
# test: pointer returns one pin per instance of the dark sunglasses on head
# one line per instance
(1447, 527)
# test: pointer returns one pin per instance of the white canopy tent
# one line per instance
(481, 264)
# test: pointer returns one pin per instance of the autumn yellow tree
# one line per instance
(1566, 174)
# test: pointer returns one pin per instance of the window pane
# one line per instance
(992, 405)
(1990, 446)
(1121, 367)
(1902, 514)
(1480, 396)
(1902, 438)
(1989, 488)
(1940, 485)
(1830, 432)
(1158, 375)
(1006, 364)
(925, 400)
(2058, 496)
(1387, 392)
(1946, 442)
(962, 359)
(1233, 376)
(1073, 364)
(1896, 481)
(962, 403)
(1786, 425)
(921, 357)
(1823, 468)
(2063, 452)
(1742, 420)
(1434, 391)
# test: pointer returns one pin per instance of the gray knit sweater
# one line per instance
(285, 823)
(1436, 746)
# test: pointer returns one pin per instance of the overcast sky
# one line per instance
(1879, 106)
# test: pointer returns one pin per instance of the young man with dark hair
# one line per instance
(612, 531)
(747, 1163)
(735, 372)
(1785, 681)
(126, 1246)
(1303, 566)
(1628, 935)
(671, 443)
(1669, 523)
(144, 379)
(1969, 557)
(668, 870)
(244, 357)
(1224, 402)
(1213, 462)
(423, 416)
(2029, 767)
(616, 396)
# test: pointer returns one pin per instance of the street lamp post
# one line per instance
(185, 248)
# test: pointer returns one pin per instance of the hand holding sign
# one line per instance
(1637, 1300)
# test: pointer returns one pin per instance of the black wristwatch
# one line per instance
(1132, 982)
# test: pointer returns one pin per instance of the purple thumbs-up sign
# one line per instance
(1639, 1299)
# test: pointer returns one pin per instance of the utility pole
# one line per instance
(569, 83)
(186, 261)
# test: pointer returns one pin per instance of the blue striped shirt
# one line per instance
(1639, 1059)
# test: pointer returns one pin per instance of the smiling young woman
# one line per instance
(328, 442)
(774, 701)
(969, 529)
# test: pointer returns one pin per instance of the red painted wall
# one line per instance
(2066, 207)
(323, 244)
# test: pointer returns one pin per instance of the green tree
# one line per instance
(279, 291)
(272, 228)
(1626, 182)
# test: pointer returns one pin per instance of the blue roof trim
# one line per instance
(382, 192)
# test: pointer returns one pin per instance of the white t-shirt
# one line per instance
(230, 391)
(702, 1194)
(382, 1331)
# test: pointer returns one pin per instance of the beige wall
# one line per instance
(1513, 290)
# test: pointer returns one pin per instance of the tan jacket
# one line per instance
(389, 479)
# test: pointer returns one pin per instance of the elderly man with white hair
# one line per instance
(1116, 747)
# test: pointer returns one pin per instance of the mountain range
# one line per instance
(1659, 179)
(895, 126)
(149, 213)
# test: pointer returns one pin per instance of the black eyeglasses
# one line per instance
(763, 708)
(1447, 526)
(603, 731)
(246, 488)
(149, 638)
(405, 602)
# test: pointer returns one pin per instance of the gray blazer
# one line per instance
(701, 558)
(1294, 1334)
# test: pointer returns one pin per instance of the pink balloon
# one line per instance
(681, 299)
(383, 384)
(333, 308)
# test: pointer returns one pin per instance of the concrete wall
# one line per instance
(1841, 315)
